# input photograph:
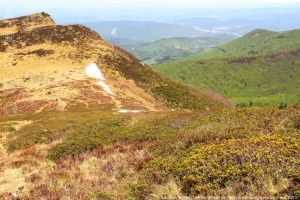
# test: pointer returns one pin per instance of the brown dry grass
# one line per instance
(56, 78)
(10, 26)
(30, 176)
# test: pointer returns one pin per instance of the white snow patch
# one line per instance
(114, 31)
(129, 111)
(105, 87)
(93, 71)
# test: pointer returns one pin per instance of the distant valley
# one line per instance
(165, 50)
(141, 31)
(158, 41)
(260, 68)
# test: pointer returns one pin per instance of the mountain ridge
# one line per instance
(43, 67)
(23, 23)
(256, 42)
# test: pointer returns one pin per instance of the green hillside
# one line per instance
(266, 79)
(256, 42)
(173, 48)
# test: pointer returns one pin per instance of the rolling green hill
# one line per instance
(174, 48)
(270, 77)
(256, 42)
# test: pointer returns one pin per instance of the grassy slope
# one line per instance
(267, 79)
(174, 48)
(206, 153)
(174, 94)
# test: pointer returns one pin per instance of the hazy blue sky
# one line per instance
(142, 3)
(66, 11)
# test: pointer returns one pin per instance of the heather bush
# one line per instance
(243, 163)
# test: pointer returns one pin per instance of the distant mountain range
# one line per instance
(195, 23)
(159, 41)
(261, 68)
(141, 31)
(241, 24)
(155, 43)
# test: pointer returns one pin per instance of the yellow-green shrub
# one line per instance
(249, 163)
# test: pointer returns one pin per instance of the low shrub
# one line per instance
(295, 190)
(177, 95)
(75, 145)
(248, 163)
(25, 139)
(147, 181)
